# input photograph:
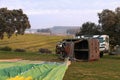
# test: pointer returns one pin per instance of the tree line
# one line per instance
(109, 24)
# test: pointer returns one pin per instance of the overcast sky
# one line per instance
(49, 13)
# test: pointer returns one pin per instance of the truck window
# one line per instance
(100, 40)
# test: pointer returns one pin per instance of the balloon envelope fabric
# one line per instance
(30, 70)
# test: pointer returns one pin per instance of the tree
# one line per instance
(13, 21)
(117, 26)
(107, 19)
(110, 23)
(89, 28)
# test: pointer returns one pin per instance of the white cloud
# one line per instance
(33, 7)
(57, 11)
(11, 4)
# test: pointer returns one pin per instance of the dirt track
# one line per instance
(9, 60)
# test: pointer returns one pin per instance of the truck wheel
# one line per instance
(101, 54)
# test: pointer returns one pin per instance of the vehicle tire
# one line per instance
(101, 54)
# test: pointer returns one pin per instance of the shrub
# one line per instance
(6, 48)
(44, 50)
(20, 50)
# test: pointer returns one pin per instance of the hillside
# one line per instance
(63, 29)
(55, 30)
(31, 42)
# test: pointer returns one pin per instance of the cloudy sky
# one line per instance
(49, 13)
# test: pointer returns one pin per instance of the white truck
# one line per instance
(103, 42)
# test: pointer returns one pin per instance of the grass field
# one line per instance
(107, 68)
(31, 42)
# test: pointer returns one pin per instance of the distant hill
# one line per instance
(63, 29)
(57, 30)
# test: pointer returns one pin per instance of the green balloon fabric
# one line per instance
(41, 71)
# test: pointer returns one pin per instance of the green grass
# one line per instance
(27, 56)
(31, 42)
(107, 68)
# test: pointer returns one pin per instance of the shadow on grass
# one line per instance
(115, 57)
